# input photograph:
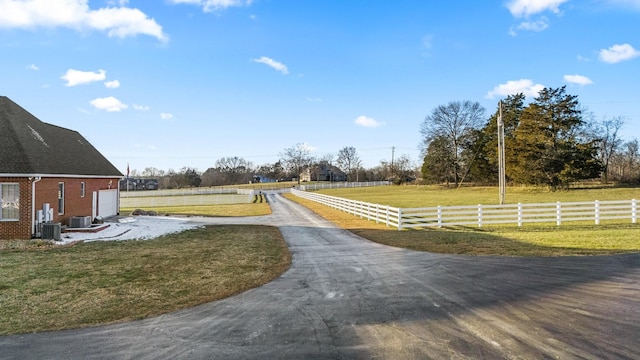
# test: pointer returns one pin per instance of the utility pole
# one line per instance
(502, 180)
(393, 151)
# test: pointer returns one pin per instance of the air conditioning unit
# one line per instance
(80, 222)
(51, 231)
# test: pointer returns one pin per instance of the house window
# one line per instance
(82, 187)
(60, 198)
(9, 202)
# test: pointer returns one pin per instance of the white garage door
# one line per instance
(108, 202)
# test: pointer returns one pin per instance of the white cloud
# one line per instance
(512, 87)
(33, 67)
(214, 5)
(75, 14)
(141, 107)
(578, 79)
(582, 58)
(528, 8)
(618, 53)
(166, 116)
(114, 84)
(525, 8)
(307, 147)
(77, 77)
(537, 25)
(109, 104)
(272, 63)
(365, 121)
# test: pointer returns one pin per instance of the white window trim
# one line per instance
(61, 198)
(82, 189)
(10, 219)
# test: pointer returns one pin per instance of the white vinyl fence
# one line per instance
(178, 192)
(480, 215)
(339, 185)
(238, 196)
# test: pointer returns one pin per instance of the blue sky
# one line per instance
(174, 83)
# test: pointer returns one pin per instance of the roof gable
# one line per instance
(30, 146)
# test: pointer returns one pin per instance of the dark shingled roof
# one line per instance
(31, 147)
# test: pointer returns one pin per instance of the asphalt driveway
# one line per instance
(347, 298)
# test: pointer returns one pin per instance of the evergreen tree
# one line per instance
(549, 146)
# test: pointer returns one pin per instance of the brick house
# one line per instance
(47, 167)
(323, 172)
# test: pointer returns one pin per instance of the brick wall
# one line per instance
(47, 192)
(74, 203)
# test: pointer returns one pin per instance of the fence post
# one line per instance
(377, 213)
(387, 217)
(597, 212)
(519, 214)
(558, 214)
(634, 211)
(399, 219)
(439, 216)
(479, 215)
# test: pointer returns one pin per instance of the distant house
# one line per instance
(262, 179)
(134, 184)
(323, 172)
(49, 173)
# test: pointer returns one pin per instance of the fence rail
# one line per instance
(340, 185)
(479, 215)
(186, 200)
(178, 192)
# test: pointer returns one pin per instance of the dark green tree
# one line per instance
(485, 166)
(191, 177)
(438, 165)
(549, 145)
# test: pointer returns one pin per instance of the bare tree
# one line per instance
(607, 133)
(152, 172)
(404, 169)
(348, 160)
(327, 159)
(631, 161)
(296, 159)
(235, 169)
(452, 122)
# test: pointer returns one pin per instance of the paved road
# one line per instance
(347, 298)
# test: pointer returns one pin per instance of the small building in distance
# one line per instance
(136, 184)
(323, 172)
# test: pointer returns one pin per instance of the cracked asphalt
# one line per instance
(347, 298)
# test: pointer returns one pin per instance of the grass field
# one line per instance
(529, 240)
(104, 282)
(426, 196)
(257, 208)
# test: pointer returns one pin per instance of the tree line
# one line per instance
(551, 141)
(292, 162)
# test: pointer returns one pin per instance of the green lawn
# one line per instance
(101, 282)
(427, 196)
(612, 237)
(258, 208)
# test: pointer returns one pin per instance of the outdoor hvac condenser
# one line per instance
(51, 231)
